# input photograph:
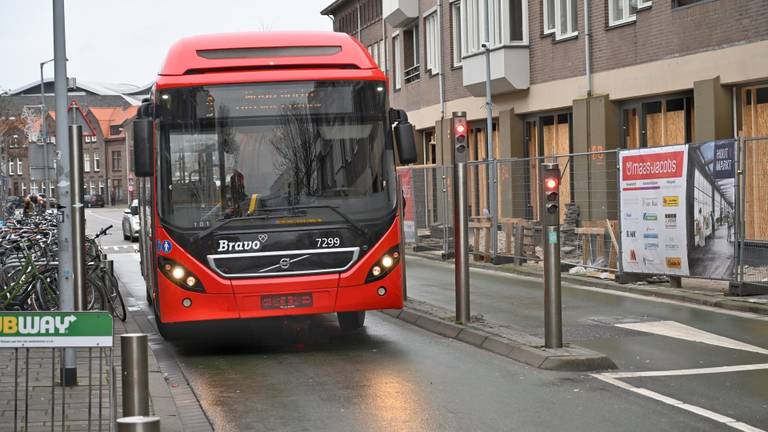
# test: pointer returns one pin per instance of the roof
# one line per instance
(332, 7)
(112, 117)
(124, 90)
(267, 50)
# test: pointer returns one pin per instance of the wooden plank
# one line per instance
(590, 231)
(614, 253)
(674, 127)
(653, 130)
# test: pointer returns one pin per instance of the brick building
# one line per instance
(101, 109)
(645, 73)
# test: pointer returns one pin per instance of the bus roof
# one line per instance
(265, 51)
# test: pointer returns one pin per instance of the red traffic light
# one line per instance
(551, 183)
(460, 129)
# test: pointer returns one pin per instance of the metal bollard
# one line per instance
(138, 424)
(135, 371)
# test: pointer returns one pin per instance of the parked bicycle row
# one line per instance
(29, 268)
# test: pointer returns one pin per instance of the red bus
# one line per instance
(266, 181)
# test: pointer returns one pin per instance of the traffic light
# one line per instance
(459, 135)
(550, 176)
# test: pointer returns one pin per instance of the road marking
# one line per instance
(607, 291)
(92, 213)
(677, 330)
(679, 404)
(682, 372)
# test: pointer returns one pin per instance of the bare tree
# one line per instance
(295, 144)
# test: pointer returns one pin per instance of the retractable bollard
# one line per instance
(550, 210)
(460, 220)
(135, 371)
(138, 424)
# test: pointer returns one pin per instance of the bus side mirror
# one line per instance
(142, 147)
(406, 144)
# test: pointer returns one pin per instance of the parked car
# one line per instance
(131, 222)
(95, 200)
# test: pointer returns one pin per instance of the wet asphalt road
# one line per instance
(304, 374)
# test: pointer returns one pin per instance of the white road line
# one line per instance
(91, 213)
(682, 372)
(677, 330)
(679, 404)
(607, 291)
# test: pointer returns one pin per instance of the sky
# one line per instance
(125, 41)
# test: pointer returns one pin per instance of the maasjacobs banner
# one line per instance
(653, 223)
(55, 329)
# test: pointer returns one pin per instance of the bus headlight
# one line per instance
(384, 265)
(179, 275)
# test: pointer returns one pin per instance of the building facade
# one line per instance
(569, 76)
(101, 110)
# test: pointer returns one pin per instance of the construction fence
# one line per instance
(590, 211)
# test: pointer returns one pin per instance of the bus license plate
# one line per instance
(286, 301)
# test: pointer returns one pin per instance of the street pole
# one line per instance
(78, 214)
(66, 242)
(44, 129)
(460, 219)
(492, 186)
(553, 321)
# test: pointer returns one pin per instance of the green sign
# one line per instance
(55, 329)
(552, 237)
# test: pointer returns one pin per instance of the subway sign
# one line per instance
(55, 329)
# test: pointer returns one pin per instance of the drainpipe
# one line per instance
(359, 26)
(587, 48)
(440, 59)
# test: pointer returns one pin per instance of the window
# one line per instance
(11, 166)
(398, 58)
(566, 24)
(508, 24)
(411, 66)
(681, 3)
(101, 187)
(548, 15)
(624, 11)
(91, 187)
(87, 162)
(116, 160)
(115, 130)
(456, 33)
(377, 52)
(432, 38)
(33, 187)
(23, 189)
(19, 167)
(96, 162)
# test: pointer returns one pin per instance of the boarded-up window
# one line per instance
(478, 185)
(556, 140)
(655, 123)
(754, 123)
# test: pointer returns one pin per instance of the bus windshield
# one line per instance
(288, 153)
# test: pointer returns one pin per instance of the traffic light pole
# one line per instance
(460, 219)
(553, 321)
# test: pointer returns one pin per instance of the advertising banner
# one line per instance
(711, 217)
(653, 210)
(409, 215)
(55, 329)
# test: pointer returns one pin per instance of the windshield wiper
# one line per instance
(359, 228)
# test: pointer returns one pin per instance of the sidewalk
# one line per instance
(85, 406)
(696, 291)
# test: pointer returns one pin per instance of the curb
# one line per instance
(678, 294)
(509, 343)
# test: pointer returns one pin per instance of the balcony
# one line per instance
(510, 71)
(398, 13)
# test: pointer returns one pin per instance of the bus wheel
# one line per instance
(351, 321)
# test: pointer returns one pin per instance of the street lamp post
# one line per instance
(44, 128)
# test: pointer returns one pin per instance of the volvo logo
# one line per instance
(285, 263)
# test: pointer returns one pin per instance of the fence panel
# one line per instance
(754, 247)
(36, 401)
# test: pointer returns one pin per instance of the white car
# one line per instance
(131, 222)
